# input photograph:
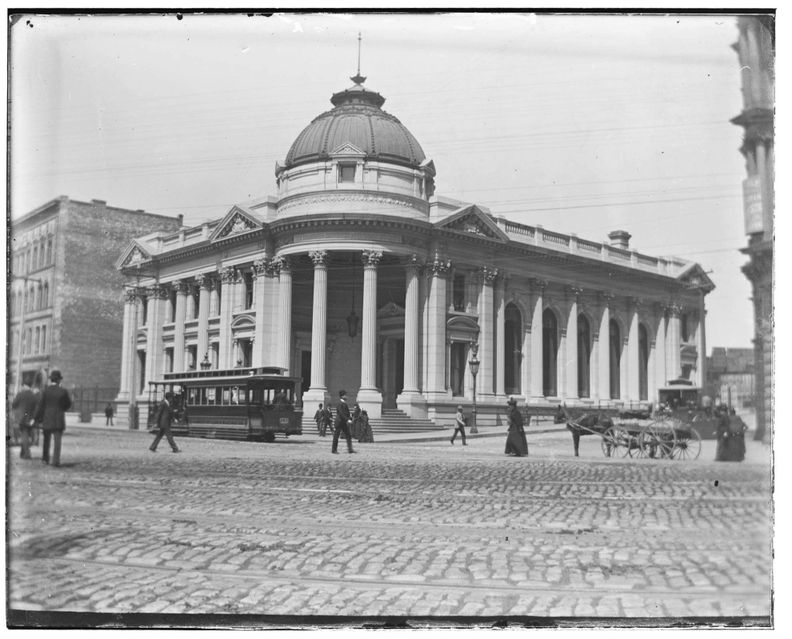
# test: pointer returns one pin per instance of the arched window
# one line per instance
(31, 298)
(643, 363)
(584, 356)
(49, 251)
(615, 359)
(39, 293)
(37, 341)
(45, 295)
(549, 353)
(513, 348)
(43, 339)
(34, 263)
(28, 341)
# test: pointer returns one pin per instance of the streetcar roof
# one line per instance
(223, 377)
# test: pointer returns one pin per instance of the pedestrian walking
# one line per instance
(343, 422)
(459, 425)
(516, 444)
(109, 412)
(51, 414)
(24, 407)
(319, 419)
(164, 420)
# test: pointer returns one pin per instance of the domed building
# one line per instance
(357, 276)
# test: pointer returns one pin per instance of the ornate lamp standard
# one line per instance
(474, 369)
(206, 364)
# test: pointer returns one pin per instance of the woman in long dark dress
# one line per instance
(516, 444)
(365, 432)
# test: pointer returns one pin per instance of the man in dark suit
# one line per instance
(24, 406)
(51, 414)
(343, 421)
(164, 421)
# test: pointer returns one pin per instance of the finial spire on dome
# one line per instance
(358, 79)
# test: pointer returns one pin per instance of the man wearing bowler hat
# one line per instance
(343, 421)
(51, 414)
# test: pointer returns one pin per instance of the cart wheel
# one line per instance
(623, 440)
(688, 445)
(646, 446)
(608, 442)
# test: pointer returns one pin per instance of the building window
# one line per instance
(45, 295)
(459, 292)
(43, 339)
(37, 342)
(196, 301)
(248, 280)
(172, 305)
(192, 356)
(346, 172)
(458, 364)
(143, 311)
(614, 336)
(550, 345)
(168, 360)
(34, 264)
(683, 327)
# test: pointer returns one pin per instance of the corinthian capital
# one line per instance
(489, 273)
(130, 295)
(371, 258)
(319, 258)
(227, 276)
(439, 266)
(259, 266)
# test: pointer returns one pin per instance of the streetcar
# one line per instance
(253, 404)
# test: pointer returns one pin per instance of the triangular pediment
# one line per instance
(471, 220)
(693, 276)
(236, 222)
(347, 149)
(133, 255)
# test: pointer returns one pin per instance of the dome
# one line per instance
(356, 119)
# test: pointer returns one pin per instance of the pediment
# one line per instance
(236, 222)
(695, 277)
(471, 220)
(243, 321)
(347, 149)
(133, 255)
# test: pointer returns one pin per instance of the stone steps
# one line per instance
(392, 421)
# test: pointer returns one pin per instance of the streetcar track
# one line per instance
(378, 582)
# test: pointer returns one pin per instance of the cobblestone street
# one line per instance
(418, 529)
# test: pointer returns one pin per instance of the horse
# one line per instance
(587, 424)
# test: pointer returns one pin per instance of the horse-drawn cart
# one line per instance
(658, 436)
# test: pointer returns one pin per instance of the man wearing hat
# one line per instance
(343, 421)
(460, 422)
(51, 414)
(164, 420)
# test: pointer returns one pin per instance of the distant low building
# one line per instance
(65, 298)
(731, 376)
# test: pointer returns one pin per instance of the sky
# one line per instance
(581, 123)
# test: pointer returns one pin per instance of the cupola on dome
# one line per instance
(357, 119)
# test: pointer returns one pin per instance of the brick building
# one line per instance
(756, 50)
(65, 293)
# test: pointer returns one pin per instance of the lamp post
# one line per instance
(206, 364)
(474, 369)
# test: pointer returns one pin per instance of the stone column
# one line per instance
(604, 346)
(369, 397)
(537, 337)
(410, 400)
(437, 274)
(486, 355)
(284, 327)
(226, 317)
(673, 366)
(127, 345)
(594, 369)
(500, 338)
(259, 304)
(660, 376)
(178, 324)
(571, 362)
(205, 284)
(155, 319)
(214, 300)
(633, 352)
(701, 345)
(189, 311)
(315, 395)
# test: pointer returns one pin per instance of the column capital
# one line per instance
(130, 295)
(538, 285)
(605, 298)
(158, 291)
(227, 276)
(413, 264)
(439, 266)
(319, 258)
(634, 303)
(180, 286)
(675, 309)
(204, 280)
(260, 267)
(371, 258)
(489, 273)
(280, 263)
(573, 291)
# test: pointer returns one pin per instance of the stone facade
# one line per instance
(357, 276)
(756, 51)
(63, 256)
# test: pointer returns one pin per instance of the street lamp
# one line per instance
(474, 369)
(206, 364)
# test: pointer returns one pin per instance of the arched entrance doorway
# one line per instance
(615, 359)
(513, 348)
(549, 354)
(584, 356)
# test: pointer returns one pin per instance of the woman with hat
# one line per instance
(51, 414)
(516, 444)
